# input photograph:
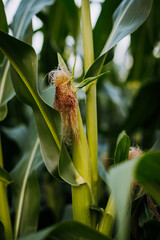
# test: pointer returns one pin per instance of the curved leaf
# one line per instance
(146, 170)
(127, 18)
(122, 148)
(65, 231)
(25, 185)
(17, 134)
(147, 173)
(21, 21)
(120, 180)
(6, 89)
(4, 176)
(67, 170)
(48, 121)
(25, 12)
(24, 60)
(103, 25)
(89, 80)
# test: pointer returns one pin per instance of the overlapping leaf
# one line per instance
(126, 19)
(48, 121)
(120, 178)
(65, 231)
(26, 193)
(21, 21)
(27, 9)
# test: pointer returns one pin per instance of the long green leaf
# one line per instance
(120, 180)
(67, 231)
(4, 76)
(48, 121)
(103, 25)
(127, 18)
(25, 185)
(25, 12)
(21, 21)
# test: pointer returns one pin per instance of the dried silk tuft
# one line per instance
(134, 152)
(65, 103)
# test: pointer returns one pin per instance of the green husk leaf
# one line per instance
(122, 148)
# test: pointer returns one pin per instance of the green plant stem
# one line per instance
(91, 100)
(81, 195)
(107, 222)
(4, 208)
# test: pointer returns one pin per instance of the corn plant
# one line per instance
(57, 135)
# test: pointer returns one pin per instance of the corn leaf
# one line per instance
(126, 19)
(122, 148)
(48, 121)
(68, 230)
(22, 19)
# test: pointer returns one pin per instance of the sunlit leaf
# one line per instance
(120, 179)
(127, 18)
(24, 14)
(145, 169)
(103, 25)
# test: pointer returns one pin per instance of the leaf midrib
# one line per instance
(106, 47)
(39, 106)
(22, 191)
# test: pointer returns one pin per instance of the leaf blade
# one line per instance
(122, 148)
(134, 12)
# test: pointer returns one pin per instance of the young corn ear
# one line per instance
(65, 103)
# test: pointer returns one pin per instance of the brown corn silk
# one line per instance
(66, 104)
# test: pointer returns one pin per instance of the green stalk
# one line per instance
(91, 101)
(81, 195)
(4, 208)
(107, 222)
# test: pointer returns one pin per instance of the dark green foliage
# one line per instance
(130, 101)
